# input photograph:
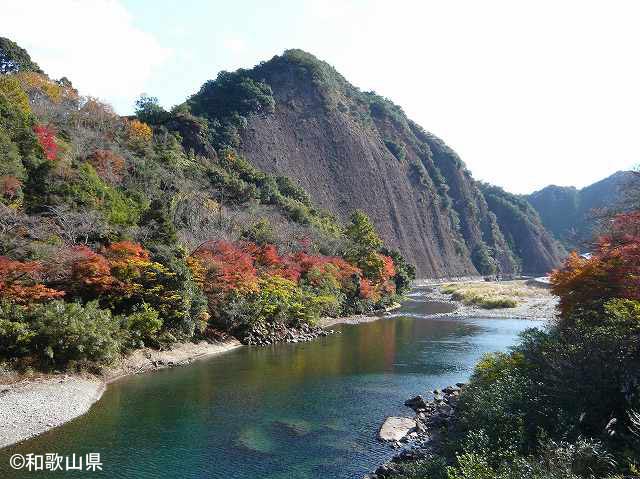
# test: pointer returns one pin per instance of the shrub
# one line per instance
(555, 460)
(89, 190)
(57, 332)
(282, 301)
(434, 467)
(497, 404)
(15, 334)
(260, 233)
(143, 326)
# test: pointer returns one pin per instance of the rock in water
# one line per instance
(416, 403)
(395, 428)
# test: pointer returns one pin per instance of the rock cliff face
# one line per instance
(531, 243)
(355, 150)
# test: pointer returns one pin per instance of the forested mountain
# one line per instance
(532, 244)
(571, 213)
(350, 149)
(118, 232)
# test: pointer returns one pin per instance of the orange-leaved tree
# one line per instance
(221, 267)
(20, 282)
(612, 271)
(88, 273)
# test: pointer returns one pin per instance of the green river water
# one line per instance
(294, 411)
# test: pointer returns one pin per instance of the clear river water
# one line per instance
(293, 411)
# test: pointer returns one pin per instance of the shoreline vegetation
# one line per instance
(33, 405)
(563, 402)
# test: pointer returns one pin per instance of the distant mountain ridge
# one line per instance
(569, 213)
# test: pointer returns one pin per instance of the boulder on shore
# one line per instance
(396, 428)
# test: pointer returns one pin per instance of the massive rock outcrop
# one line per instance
(355, 150)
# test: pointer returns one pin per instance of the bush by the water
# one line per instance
(56, 333)
(565, 402)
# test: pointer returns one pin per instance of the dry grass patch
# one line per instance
(491, 295)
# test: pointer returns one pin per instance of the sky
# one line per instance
(527, 93)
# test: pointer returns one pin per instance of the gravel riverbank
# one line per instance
(32, 406)
(359, 318)
(538, 305)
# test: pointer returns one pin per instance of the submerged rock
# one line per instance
(396, 428)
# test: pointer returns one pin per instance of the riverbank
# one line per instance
(533, 303)
(358, 318)
(432, 417)
(31, 406)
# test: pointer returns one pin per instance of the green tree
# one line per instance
(362, 232)
(365, 243)
(13, 58)
(148, 110)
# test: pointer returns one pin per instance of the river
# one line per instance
(293, 411)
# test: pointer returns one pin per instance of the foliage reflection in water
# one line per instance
(307, 410)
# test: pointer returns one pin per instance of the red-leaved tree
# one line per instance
(46, 139)
(222, 267)
(612, 271)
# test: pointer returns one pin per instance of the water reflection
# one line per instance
(306, 410)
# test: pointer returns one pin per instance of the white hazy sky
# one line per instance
(528, 93)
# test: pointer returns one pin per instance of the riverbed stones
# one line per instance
(424, 440)
(396, 428)
(262, 335)
(416, 403)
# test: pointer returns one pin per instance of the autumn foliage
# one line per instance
(240, 269)
(9, 186)
(89, 273)
(20, 282)
(46, 139)
(109, 165)
(612, 271)
(139, 132)
(106, 205)
(221, 267)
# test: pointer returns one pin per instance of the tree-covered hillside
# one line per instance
(118, 232)
(522, 228)
(572, 214)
